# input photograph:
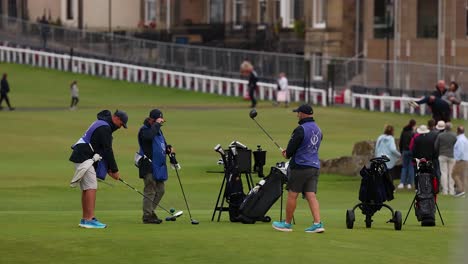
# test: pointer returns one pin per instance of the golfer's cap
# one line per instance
(155, 114)
(305, 108)
(123, 116)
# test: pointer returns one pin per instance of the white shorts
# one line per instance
(89, 180)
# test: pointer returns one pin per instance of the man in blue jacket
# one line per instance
(304, 164)
(97, 140)
(152, 166)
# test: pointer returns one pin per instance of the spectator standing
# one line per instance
(74, 95)
(444, 147)
(248, 70)
(282, 93)
(385, 145)
(4, 90)
(460, 153)
(407, 170)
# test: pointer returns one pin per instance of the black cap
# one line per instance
(305, 108)
(155, 114)
(123, 116)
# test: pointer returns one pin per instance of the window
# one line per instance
(70, 9)
(291, 10)
(278, 9)
(320, 12)
(12, 8)
(237, 13)
(383, 19)
(217, 11)
(428, 15)
(150, 11)
(466, 17)
(262, 8)
(317, 65)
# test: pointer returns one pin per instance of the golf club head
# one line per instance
(219, 149)
(194, 222)
(170, 218)
(253, 113)
(178, 213)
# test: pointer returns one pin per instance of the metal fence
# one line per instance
(371, 76)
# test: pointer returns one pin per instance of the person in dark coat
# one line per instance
(97, 140)
(407, 170)
(4, 90)
(248, 70)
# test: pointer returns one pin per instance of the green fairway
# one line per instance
(39, 212)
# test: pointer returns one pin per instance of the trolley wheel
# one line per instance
(397, 220)
(350, 218)
(266, 219)
(368, 221)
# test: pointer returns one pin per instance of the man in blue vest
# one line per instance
(152, 166)
(304, 165)
(97, 140)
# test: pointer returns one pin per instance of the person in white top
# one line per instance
(74, 95)
(460, 153)
(282, 94)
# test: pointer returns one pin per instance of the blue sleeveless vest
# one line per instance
(158, 159)
(307, 153)
(101, 170)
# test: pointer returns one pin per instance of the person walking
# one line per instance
(96, 140)
(74, 95)
(444, 147)
(4, 90)
(302, 150)
(460, 153)
(248, 70)
(282, 93)
(407, 170)
(152, 165)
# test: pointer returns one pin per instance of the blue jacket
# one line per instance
(153, 145)
(385, 145)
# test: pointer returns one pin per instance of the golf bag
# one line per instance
(262, 197)
(376, 186)
(426, 194)
(234, 193)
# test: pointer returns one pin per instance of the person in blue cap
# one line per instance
(97, 140)
(304, 164)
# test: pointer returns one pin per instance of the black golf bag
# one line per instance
(376, 188)
(262, 197)
(234, 193)
(427, 188)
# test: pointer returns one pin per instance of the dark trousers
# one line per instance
(153, 190)
(5, 97)
(74, 101)
(252, 97)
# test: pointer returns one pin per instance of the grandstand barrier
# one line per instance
(152, 76)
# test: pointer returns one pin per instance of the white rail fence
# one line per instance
(152, 76)
(384, 103)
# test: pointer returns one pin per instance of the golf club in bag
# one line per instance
(173, 161)
(169, 218)
(253, 113)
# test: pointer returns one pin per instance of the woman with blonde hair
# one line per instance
(247, 69)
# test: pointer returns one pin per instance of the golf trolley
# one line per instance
(376, 188)
(425, 199)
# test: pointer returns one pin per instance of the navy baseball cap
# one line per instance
(123, 116)
(156, 113)
(305, 108)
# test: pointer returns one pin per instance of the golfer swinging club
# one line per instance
(303, 150)
(152, 166)
(96, 140)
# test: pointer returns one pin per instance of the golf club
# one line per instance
(253, 113)
(174, 160)
(173, 215)
(220, 150)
